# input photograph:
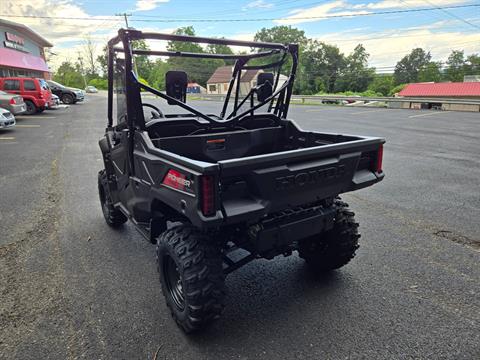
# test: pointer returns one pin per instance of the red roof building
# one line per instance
(446, 90)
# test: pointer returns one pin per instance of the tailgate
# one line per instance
(269, 183)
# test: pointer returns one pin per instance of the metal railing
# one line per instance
(339, 98)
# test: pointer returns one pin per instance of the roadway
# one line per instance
(74, 288)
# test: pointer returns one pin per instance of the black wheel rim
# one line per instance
(30, 107)
(173, 282)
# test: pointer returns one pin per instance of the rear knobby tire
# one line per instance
(113, 217)
(334, 248)
(191, 276)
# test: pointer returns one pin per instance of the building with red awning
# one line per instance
(22, 51)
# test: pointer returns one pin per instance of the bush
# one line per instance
(100, 84)
(397, 89)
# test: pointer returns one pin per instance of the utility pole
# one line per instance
(125, 16)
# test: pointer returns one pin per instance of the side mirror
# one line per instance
(264, 86)
(176, 84)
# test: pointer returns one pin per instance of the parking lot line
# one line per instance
(366, 112)
(427, 114)
(7, 138)
(35, 117)
(27, 126)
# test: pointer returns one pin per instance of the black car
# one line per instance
(215, 192)
(66, 94)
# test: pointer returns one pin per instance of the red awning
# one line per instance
(13, 58)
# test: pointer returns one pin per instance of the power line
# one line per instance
(164, 20)
(452, 15)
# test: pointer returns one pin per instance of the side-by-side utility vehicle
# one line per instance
(215, 191)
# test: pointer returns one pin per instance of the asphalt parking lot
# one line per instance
(74, 288)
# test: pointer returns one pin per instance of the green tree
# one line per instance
(455, 66)
(281, 34)
(407, 69)
(69, 75)
(142, 63)
(198, 70)
(356, 75)
(157, 74)
(102, 61)
(321, 65)
(221, 49)
(431, 72)
(284, 35)
(472, 65)
(382, 83)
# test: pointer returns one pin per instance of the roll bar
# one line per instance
(133, 85)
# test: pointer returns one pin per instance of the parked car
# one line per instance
(66, 94)
(91, 89)
(7, 119)
(56, 102)
(12, 103)
(35, 92)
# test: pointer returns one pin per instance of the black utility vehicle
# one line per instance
(217, 191)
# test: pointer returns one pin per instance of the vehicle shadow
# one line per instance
(274, 297)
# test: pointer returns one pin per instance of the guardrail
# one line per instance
(320, 98)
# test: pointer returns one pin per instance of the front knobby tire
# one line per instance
(334, 248)
(191, 276)
(113, 217)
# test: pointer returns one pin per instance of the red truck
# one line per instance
(35, 92)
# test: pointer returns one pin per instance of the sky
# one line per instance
(386, 37)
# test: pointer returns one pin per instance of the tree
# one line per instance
(102, 62)
(320, 67)
(142, 63)
(157, 74)
(69, 75)
(472, 65)
(356, 76)
(431, 72)
(382, 83)
(90, 49)
(281, 34)
(221, 49)
(198, 70)
(455, 66)
(407, 69)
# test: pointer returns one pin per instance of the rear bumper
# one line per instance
(18, 109)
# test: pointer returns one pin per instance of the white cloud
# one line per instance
(312, 14)
(257, 4)
(145, 5)
(387, 47)
(343, 8)
(410, 4)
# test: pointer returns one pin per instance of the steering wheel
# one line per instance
(156, 113)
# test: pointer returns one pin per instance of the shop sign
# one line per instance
(14, 42)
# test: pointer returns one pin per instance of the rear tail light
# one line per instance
(208, 195)
(13, 101)
(41, 95)
(378, 163)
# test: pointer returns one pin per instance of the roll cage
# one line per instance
(278, 101)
